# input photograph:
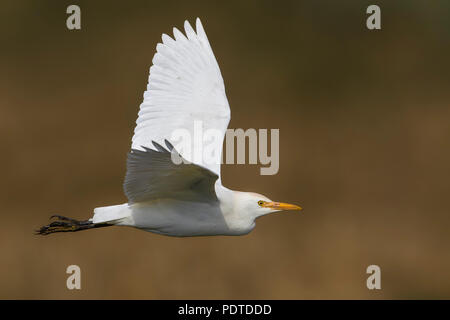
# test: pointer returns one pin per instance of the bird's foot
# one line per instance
(63, 224)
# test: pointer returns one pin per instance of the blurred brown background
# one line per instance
(364, 147)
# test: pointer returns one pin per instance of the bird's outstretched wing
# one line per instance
(185, 95)
(151, 174)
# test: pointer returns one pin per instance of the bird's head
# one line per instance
(259, 205)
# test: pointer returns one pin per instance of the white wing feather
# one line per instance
(185, 87)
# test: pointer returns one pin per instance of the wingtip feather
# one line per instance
(179, 36)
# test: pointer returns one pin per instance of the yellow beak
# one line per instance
(281, 206)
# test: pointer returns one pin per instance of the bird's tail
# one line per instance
(64, 224)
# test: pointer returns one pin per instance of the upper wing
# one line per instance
(153, 175)
(185, 93)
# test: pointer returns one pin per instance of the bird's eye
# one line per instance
(260, 202)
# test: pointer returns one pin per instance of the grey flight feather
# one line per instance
(151, 174)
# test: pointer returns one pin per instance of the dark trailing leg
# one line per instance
(65, 224)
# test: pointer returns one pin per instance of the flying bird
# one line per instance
(184, 198)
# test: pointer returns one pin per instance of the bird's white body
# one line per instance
(185, 87)
(181, 218)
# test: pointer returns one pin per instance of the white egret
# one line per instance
(188, 199)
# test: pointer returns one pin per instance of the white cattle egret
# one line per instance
(186, 199)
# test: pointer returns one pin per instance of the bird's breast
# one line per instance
(185, 218)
